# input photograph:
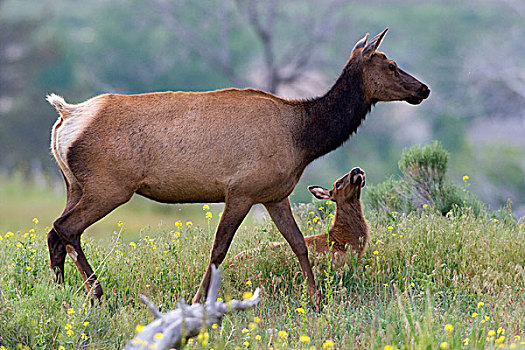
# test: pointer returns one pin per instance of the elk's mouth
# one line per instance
(357, 177)
(413, 100)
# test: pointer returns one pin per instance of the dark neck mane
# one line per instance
(332, 118)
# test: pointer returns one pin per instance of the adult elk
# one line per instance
(240, 147)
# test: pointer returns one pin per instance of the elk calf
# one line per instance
(349, 228)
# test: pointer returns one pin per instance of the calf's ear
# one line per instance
(320, 192)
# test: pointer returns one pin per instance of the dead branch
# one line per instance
(169, 330)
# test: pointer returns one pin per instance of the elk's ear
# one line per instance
(373, 45)
(320, 192)
(361, 43)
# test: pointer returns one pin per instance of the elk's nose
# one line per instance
(423, 91)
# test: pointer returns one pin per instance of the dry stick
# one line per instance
(168, 330)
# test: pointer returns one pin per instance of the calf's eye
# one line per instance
(337, 184)
(392, 67)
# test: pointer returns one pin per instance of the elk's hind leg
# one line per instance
(95, 203)
(57, 249)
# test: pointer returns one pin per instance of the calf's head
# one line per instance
(383, 80)
(346, 189)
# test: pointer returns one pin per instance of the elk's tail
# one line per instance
(62, 107)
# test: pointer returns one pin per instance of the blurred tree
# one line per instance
(293, 48)
(228, 30)
(24, 53)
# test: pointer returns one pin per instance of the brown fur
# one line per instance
(238, 146)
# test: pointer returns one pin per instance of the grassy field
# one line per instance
(427, 281)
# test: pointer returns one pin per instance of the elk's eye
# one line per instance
(392, 67)
(337, 184)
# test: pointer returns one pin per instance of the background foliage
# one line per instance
(470, 54)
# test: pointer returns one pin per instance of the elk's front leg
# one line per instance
(234, 212)
(281, 214)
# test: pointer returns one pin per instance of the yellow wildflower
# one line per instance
(304, 339)
(283, 335)
(329, 344)
(61, 347)
(70, 311)
(247, 295)
(491, 333)
(248, 283)
(133, 244)
(205, 207)
(257, 319)
(214, 326)
(500, 339)
(329, 202)
(83, 336)
(321, 208)
(376, 252)
(474, 314)
(245, 330)
(501, 330)
(69, 333)
(465, 178)
(480, 304)
(120, 223)
(257, 337)
(443, 345)
(139, 328)
(466, 341)
(449, 328)
(35, 220)
(158, 336)
(209, 215)
(178, 223)
(85, 324)
(387, 347)
(189, 223)
(252, 325)
(19, 245)
(300, 310)
(390, 227)
(246, 343)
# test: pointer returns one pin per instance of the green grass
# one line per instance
(421, 272)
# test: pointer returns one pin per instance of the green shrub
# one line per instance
(422, 184)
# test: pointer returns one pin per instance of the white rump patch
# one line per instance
(70, 127)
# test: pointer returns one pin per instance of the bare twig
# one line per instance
(168, 330)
